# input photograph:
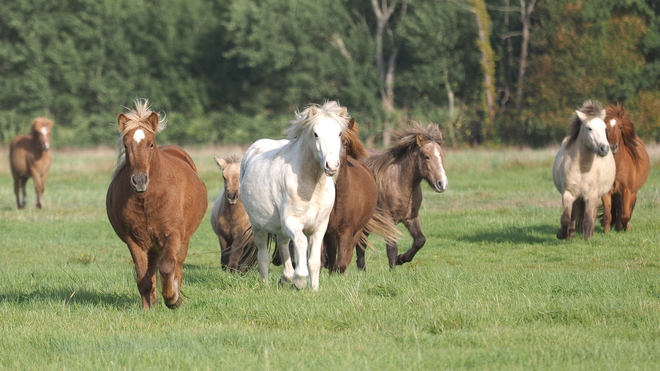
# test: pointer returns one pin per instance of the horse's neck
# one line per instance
(408, 174)
(305, 164)
(584, 153)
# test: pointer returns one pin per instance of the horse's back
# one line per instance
(177, 152)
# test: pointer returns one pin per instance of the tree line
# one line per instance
(501, 72)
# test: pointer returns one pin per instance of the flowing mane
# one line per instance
(354, 147)
(628, 133)
(137, 119)
(591, 109)
(408, 140)
(311, 115)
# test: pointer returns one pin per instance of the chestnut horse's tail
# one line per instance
(380, 224)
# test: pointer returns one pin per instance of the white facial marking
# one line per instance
(138, 135)
(612, 122)
(436, 152)
(44, 131)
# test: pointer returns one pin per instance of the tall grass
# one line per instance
(491, 289)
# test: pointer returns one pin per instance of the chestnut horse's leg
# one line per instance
(346, 243)
(174, 252)
(359, 256)
(607, 211)
(38, 186)
(628, 200)
(415, 228)
(145, 273)
(330, 244)
(19, 183)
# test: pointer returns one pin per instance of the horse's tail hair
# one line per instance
(245, 243)
(578, 210)
(382, 225)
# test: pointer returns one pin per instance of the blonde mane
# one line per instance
(306, 119)
(137, 118)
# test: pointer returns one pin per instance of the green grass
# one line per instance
(491, 289)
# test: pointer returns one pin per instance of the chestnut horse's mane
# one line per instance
(407, 142)
(591, 109)
(628, 133)
(308, 117)
(137, 118)
(354, 147)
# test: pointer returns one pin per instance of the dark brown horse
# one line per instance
(230, 222)
(30, 157)
(632, 169)
(155, 203)
(355, 205)
(399, 171)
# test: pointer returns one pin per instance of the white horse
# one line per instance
(288, 189)
(584, 170)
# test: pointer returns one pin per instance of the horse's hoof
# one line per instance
(560, 234)
(300, 282)
(176, 304)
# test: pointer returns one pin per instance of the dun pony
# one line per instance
(583, 170)
(29, 157)
(155, 203)
(229, 220)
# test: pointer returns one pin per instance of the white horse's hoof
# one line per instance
(300, 282)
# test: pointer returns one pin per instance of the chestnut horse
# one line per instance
(632, 169)
(355, 206)
(583, 170)
(399, 171)
(229, 220)
(155, 202)
(29, 157)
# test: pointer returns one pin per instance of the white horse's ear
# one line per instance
(121, 122)
(602, 115)
(312, 111)
(222, 164)
(581, 116)
(343, 112)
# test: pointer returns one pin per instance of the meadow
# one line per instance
(492, 288)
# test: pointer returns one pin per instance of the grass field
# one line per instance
(492, 288)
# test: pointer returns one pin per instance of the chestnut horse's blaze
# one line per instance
(29, 157)
(155, 202)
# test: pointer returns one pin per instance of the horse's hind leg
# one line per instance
(567, 229)
(330, 245)
(19, 186)
(263, 258)
(415, 229)
(360, 250)
(589, 221)
(285, 257)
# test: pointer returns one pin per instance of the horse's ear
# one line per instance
(153, 121)
(351, 124)
(581, 116)
(343, 112)
(121, 122)
(222, 164)
(421, 140)
(312, 111)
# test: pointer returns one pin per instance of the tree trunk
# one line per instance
(487, 64)
(525, 17)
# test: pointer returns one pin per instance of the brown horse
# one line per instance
(399, 171)
(229, 220)
(632, 169)
(30, 157)
(355, 205)
(155, 203)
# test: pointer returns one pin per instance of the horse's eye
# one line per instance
(316, 135)
(426, 157)
(340, 134)
(589, 129)
(151, 145)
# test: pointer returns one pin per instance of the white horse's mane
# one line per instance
(312, 114)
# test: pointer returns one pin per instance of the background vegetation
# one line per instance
(232, 71)
(492, 289)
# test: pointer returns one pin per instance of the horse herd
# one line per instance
(319, 193)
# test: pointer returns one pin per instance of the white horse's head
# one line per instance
(593, 128)
(322, 127)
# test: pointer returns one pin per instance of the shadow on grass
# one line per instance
(528, 235)
(63, 296)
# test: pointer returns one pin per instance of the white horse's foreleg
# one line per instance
(565, 231)
(590, 213)
(283, 246)
(316, 241)
(293, 229)
(263, 258)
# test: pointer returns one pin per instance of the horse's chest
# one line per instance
(148, 223)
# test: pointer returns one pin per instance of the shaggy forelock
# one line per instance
(137, 117)
(304, 121)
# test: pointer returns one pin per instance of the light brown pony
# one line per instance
(230, 222)
(632, 169)
(155, 203)
(30, 157)
(355, 206)
(399, 171)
